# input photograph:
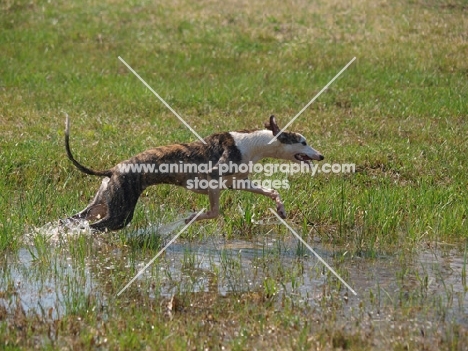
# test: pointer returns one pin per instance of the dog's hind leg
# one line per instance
(115, 221)
(97, 209)
(272, 194)
(113, 206)
(120, 197)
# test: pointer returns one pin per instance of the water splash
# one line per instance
(59, 231)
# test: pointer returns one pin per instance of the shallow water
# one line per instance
(56, 282)
(38, 289)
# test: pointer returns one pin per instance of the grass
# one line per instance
(399, 113)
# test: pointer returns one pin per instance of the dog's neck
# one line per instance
(254, 145)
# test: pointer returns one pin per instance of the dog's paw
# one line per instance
(187, 220)
(207, 215)
(281, 211)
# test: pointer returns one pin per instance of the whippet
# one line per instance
(113, 205)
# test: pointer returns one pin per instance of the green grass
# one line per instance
(399, 113)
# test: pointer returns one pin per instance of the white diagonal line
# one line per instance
(311, 101)
(162, 100)
(312, 250)
(160, 252)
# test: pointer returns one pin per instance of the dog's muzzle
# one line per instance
(305, 158)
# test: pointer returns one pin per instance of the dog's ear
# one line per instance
(271, 125)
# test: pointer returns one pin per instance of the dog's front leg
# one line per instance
(213, 191)
(213, 195)
(273, 194)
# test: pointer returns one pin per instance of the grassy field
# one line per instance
(399, 113)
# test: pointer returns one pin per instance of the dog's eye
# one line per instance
(304, 143)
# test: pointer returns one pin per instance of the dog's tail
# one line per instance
(106, 173)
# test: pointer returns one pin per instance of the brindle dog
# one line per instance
(113, 206)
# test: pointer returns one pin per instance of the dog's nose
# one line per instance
(321, 157)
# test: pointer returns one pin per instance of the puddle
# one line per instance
(37, 289)
(58, 281)
(430, 279)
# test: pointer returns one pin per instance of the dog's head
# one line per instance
(293, 145)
